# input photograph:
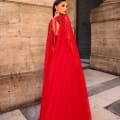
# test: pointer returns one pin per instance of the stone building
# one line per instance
(23, 31)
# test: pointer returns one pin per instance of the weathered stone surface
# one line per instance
(106, 64)
(106, 12)
(34, 2)
(72, 12)
(23, 35)
(20, 89)
(106, 39)
(105, 53)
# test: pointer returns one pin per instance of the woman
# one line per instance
(64, 95)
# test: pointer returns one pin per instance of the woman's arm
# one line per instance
(55, 29)
(55, 26)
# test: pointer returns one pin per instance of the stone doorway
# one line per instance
(83, 26)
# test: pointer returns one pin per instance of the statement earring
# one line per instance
(56, 12)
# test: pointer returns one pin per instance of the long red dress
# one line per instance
(64, 95)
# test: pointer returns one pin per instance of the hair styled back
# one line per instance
(56, 2)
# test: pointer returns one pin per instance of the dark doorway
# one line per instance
(83, 26)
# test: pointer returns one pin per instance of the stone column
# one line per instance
(72, 12)
(105, 49)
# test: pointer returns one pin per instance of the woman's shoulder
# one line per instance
(59, 19)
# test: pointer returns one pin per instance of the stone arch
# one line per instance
(83, 25)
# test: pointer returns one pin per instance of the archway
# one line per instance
(83, 26)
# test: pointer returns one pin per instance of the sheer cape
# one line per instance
(64, 95)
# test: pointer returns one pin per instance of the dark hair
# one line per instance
(56, 2)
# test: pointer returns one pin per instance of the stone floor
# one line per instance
(104, 97)
(13, 115)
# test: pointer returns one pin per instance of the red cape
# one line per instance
(64, 95)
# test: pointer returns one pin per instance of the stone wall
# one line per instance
(23, 34)
(43, 3)
(23, 31)
(105, 53)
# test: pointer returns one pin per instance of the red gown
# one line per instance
(64, 94)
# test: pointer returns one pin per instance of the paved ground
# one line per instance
(104, 96)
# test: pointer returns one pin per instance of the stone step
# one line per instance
(13, 115)
(31, 112)
(85, 61)
(85, 65)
